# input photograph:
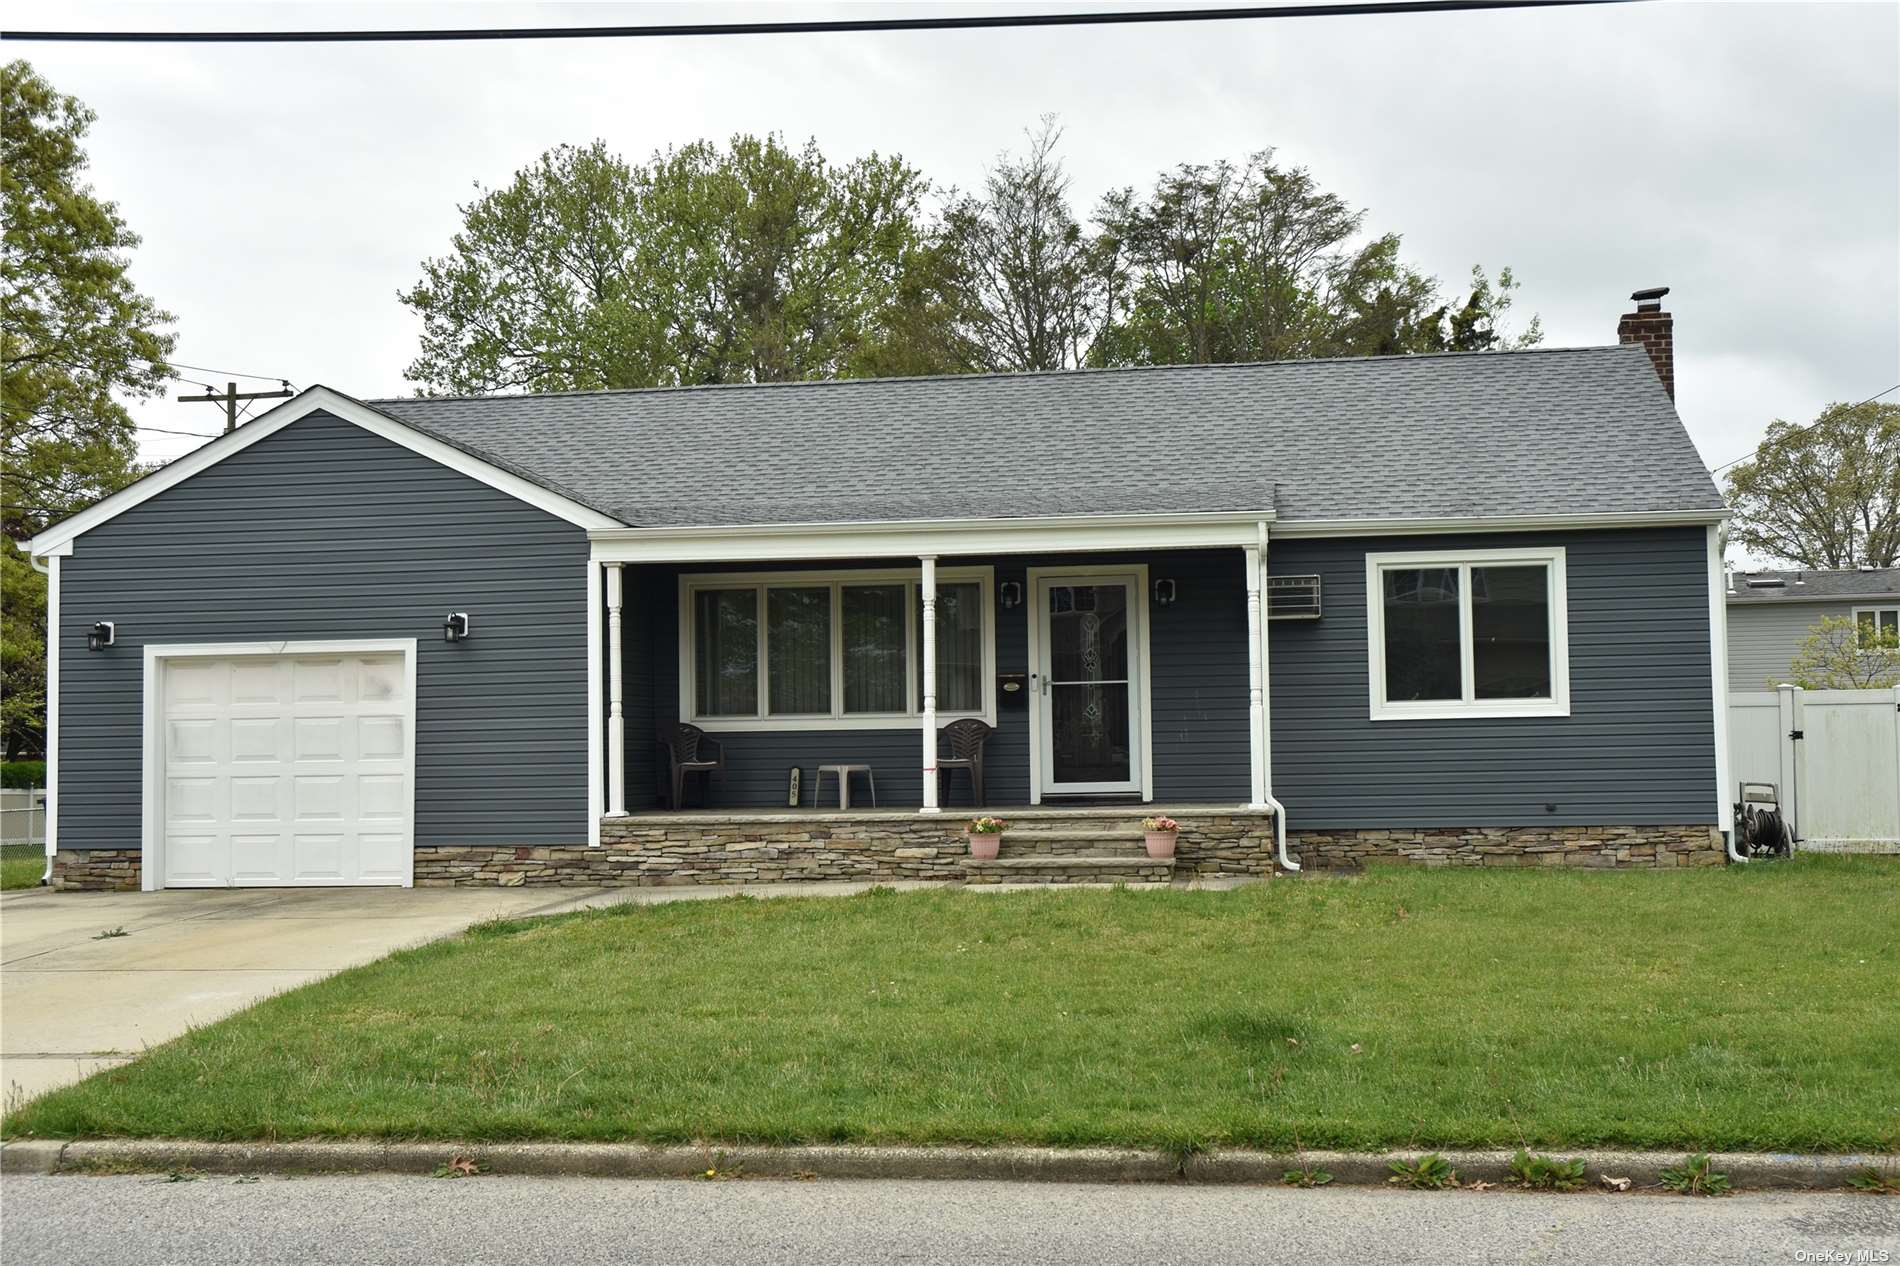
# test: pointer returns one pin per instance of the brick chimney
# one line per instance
(1655, 329)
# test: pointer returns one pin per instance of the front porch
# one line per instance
(1094, 844)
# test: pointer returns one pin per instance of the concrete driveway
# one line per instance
(72, 1002)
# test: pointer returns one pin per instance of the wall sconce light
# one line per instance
(1010, 592)
(455, 628)
(1164, 593)
(101, 635)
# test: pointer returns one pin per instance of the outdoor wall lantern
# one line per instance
(455, 628)
(101, 635)
(1164, 593)
(1011, 593)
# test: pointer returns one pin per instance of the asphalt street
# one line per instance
(152, 1221)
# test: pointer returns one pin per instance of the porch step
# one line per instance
(1069, 869)
(1104, 839)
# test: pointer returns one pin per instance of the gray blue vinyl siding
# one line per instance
(1198, 653)
(1637, 748)
(1764, 637)
(326, 531)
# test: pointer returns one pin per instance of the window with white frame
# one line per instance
(1878, 628)
(1468, 633)
(812, 650)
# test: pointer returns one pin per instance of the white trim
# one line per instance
(797, 542)
(151, 849)
(837, 579)
(1266, 683)
(52, 712)
(1718, 686)
(1496, 523)
(1141, 698)
(1256, 681)
(596, 739)
(616, 698)
(1756, 599)
(927, 720)
(339, 405)
(1558, 705)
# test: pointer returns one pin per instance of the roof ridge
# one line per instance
(1405, 357)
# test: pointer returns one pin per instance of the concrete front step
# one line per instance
(1084, 869)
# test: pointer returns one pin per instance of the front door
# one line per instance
(1088, 664)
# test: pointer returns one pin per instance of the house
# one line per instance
(1771, 613)
(1459, 609)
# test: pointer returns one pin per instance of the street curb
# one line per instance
(1748, 1171)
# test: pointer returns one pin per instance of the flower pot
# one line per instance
(1160, 843)
(984, 843)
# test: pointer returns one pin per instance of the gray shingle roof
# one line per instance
(1547, 431)
(1813, 586)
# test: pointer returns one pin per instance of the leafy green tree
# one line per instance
(1825, 495)
(1223, 262)
(751, 263)
(77, 339)
(1844, 654)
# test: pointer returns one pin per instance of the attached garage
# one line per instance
(279, 766)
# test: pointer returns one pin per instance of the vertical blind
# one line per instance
(877, 645)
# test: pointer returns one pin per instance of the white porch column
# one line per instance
(1266, 676)
(1256, 683)
(616, 711)
(929, 591)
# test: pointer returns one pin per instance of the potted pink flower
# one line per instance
(986, 835)
(1160, 834)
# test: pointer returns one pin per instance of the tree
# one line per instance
(1844, 654)
(752, 263)
(1028, 270)
(1222, 262)
(1825, 495)
(76, 339)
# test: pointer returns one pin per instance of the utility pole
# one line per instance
(230, 396)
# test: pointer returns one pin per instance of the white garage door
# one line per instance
(286, 770)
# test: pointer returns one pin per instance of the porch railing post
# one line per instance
(616, 711)
(929, 592)
(1256, 684)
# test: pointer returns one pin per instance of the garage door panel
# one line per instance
(317, 681)
(318, 738)
(287, 770)
(192, 740)
(258, 739)
(257, 798)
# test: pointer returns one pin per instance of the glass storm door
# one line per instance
(1088, 655)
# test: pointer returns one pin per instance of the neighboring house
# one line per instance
(1771, 613)
(1493, 626)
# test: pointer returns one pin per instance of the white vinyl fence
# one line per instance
(22, 815)
(1834, 754)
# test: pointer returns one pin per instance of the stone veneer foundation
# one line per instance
(1610, 847)
(651, 850)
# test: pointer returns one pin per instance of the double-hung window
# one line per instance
(1878, 628)
(1468, 633)
(833, 650)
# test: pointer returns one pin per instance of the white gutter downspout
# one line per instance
(1266, 720)
(1718, 683)
(49, 568)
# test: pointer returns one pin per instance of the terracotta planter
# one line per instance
(984, 843)
(1160, 843)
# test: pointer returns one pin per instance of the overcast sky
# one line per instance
(1746, 155)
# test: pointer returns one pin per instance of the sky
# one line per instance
(1745, 155)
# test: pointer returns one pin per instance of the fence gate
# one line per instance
(1835, 754)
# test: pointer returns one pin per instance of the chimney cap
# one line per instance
(1650, 300)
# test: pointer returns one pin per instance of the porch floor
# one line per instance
(949, 813)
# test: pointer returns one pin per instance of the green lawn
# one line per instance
(21, 865)
(1744, 1008)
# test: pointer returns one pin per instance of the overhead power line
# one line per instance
(1716, 470)
(967, 22)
